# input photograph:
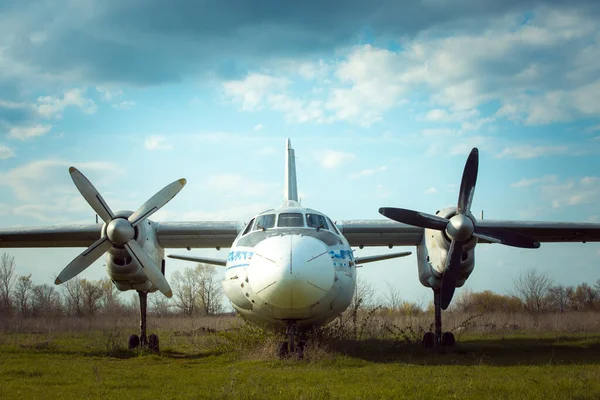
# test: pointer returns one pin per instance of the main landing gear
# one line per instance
(436, 339)
(135, 341)
(289, 347)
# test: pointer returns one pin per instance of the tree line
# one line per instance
(196, 291)
(533, 293)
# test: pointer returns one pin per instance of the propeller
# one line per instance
(460, 228)
(120, 231)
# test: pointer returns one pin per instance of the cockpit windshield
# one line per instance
(316, 221)
(265, 222)
(290, 220)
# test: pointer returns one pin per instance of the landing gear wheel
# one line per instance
(300, 346)
(133, 342)
(448, 339)
(153, 342)
(429, 340)
(283, 350)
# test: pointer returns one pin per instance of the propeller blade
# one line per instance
(91, 195)
(508, 238)
(150, 268)
(414, 218)
(467, 185)
(451, 273)
(156, 202)
(84, 260)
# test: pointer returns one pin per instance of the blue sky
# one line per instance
(382, 101)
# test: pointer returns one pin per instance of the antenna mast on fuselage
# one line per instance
(290, 189)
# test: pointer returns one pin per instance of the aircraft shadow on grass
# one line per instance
(495, 352)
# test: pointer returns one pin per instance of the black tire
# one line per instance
(429, 340)
(133, 342)
(153, 342)
(283, 350)
(448, 339)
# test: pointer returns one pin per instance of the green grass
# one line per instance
(241, 364)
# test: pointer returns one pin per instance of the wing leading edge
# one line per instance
(390, 233)
(200, 234)
(213, 234)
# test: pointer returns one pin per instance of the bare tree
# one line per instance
(186, 289)
(109, 300)
(211, 293)
(533, 289)
(159, 304)
(73, 294)
(23, 293)
(558, 298)
(392, 299)
(197, 290)
(46, 300)
(91, 295)
(7, 280)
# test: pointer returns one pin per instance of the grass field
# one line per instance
(241, 363)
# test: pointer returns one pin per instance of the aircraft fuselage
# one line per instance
(290, 265)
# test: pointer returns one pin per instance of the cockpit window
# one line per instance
(248, 227)
(290, 220)
(316, 221)
(333, 226)
(264, 222)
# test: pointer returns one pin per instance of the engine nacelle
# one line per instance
(126, 273)
(433, 251)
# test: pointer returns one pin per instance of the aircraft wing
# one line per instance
(548, 231)
(381, 232)
(200, 234)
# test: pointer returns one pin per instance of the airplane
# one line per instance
(292, 267)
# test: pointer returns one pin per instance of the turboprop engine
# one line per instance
(135, 258)
(433, 255)
(451, 235)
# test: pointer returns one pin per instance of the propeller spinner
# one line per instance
(460, 228)
(120, 231)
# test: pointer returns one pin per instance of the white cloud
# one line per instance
(253, 89)
(297, 110)
(333, 159)
(124, 105)
(593, 128)
(572, 192)
(52, 107)
(24, 133)
(455, 75)
(528, 152)
(6, 152)
(442, 115)
(258, 127)
(157, 143)
(108, 93)
(368, 172)
(533, 181)
(236, 185)
(431, 190)
(46, 181)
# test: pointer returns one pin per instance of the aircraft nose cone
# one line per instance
(291, 271)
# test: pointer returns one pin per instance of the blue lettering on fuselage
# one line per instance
(342, 254)
(239, 255)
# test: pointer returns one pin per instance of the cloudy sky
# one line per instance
(382, 101)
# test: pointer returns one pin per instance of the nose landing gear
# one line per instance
(290, 347)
